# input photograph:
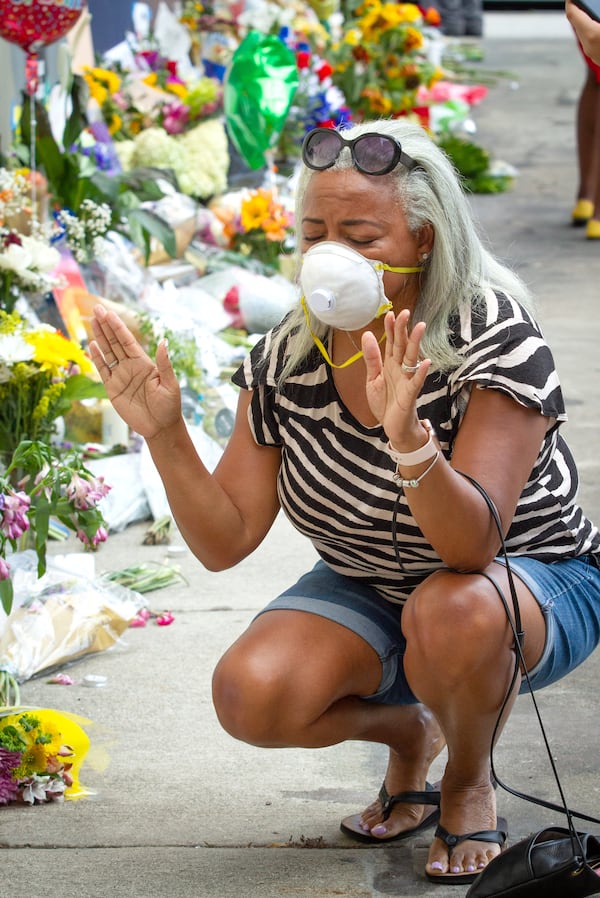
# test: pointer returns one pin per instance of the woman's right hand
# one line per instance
(145, 394)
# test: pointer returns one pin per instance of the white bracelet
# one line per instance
(414, 482)
(423, 453)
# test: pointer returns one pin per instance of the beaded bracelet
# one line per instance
(415, 481)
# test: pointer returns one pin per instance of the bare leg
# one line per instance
(459, 662)
(295, 679)
(588, 143)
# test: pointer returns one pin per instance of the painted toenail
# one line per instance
(470, 868)
(379, 830)
(456, 870)
(436, 866)
(481, 865)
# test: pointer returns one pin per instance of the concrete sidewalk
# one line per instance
(184, 811)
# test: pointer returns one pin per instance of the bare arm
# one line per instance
(497, 444)
(222, 516)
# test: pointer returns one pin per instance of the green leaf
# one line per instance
(80, 386)
(6, 594)
(77, 121)
(148, 224)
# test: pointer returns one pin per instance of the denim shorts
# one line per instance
(568, 592)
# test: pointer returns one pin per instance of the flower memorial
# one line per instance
(41, 753)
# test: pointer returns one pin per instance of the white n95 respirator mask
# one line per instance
(342, 288)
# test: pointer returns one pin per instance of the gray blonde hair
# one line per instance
(459, 269)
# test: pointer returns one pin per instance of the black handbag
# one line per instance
(557, 862)
(553, 863)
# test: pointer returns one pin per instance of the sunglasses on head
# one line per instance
(372, 154)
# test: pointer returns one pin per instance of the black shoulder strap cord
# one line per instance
(518, 634)
(519, 637)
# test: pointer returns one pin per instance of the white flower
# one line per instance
(43, 257)
(15, 258)
(14, 348)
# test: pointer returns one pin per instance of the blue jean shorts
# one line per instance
(568, 593)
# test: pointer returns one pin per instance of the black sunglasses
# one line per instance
(372, 154)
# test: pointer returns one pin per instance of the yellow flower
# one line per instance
(115, 124)
(378, 102)
(352, 37)
(151, 80)
(413, 39)
(409, 12)
(255, 209)
(54, 352)
(102, 83)
(180, 90)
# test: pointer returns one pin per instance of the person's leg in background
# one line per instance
(587, 208)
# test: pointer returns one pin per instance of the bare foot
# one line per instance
(408, 765)
(464, 810)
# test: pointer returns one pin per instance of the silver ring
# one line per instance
(410, 369)
(113, 364)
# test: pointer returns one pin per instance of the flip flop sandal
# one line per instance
(499, 836)
(351, 826)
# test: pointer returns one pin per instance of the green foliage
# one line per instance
(73, 176)
(473, 164)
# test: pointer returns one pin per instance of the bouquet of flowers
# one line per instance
(41, 373)
(41, 753)
(153, 96)
(259, 228)
(379, 57)
(26, 265)
(317, 102)
(39, 482)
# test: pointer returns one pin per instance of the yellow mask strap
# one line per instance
(381, 266)
(323, 349)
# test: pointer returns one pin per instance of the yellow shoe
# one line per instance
(592, 230)
(582, 212)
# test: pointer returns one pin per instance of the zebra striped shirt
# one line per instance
(335, 481)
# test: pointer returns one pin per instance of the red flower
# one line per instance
(324, 71)
(303, 59)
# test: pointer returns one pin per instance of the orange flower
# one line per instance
(432, 16)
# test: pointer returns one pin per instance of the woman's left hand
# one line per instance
(392, 391)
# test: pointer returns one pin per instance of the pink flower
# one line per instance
(62, 679)
(164, 619)
(85, 493)
(99, 537)
(175, 117)
(13, 514)
(4, 570)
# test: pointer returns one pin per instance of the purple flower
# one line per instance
(9, 761)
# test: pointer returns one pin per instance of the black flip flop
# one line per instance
(351, 825)
(499, 836)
